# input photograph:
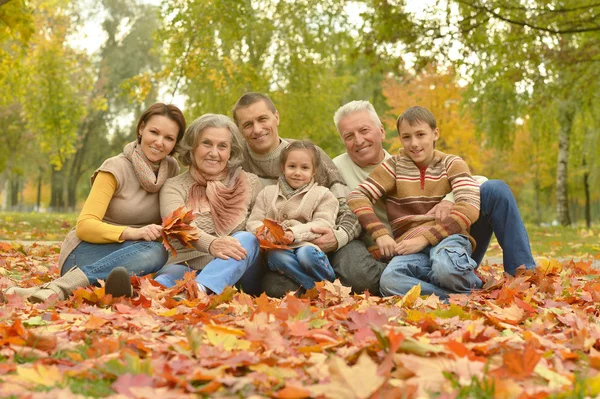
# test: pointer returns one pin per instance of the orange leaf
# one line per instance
(291, 392)
(176, 225)
(521, 364)
(271, 235)
(95, 323)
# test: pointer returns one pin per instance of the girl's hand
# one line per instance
(150, 232)
(411, 246)
(289, 235)
(227, 247)
(386, 246)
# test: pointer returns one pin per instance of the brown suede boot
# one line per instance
(118, 283)
(62, 287)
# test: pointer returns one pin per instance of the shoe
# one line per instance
(118, 283)
(22, 292)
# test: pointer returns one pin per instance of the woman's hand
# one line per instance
(411, 246)
(227, 247)
(386, 246)
(150, 232)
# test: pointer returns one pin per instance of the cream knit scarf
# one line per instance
(151, 176)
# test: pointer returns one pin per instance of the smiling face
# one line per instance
(418, 141)
(158, 137)
(258, 125)
(298, 168)
(213, 151)
(363, 138)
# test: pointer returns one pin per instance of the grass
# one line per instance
(559, 241)
(35, 226)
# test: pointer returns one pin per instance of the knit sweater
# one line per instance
(313, 206)
(123, 204)
(268, 169)
(174, 194)
(412, 192)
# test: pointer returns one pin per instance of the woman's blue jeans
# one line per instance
(220, 273)
(442, 269)
(98, 260)
(304, 265)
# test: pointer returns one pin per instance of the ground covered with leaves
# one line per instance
(533, 336)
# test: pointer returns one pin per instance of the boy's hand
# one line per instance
(386, 246)
(411, 246)
(441, 210)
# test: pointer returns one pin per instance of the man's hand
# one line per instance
(386, 246)
(327, 242)
(411, 246)
(441, 210)
(226, 247)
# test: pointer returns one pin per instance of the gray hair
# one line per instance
(191, 139)
(353, 107)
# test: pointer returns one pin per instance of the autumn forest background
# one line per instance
(513, 84)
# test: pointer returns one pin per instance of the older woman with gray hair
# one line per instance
(221, 195)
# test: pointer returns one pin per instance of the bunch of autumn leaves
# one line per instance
(177, 225)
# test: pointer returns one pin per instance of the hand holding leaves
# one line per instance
(271, 235)
(177, 225)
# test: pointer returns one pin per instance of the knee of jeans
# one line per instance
(495, 189)
(451, 261)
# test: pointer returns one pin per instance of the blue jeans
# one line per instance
(98, 260)
(304, 265)
(220, 273)
(500, 215)
(442, 269)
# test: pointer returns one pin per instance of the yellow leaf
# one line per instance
(169, 313)
(411, 297)
(40, 375)
(228, 338)
(555, 380)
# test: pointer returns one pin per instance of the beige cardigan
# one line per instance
(314, 206)
(174, 194)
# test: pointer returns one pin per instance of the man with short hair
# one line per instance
(258, 120)
(362, 132)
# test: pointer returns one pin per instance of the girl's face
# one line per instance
(158, 137)
(298, 168)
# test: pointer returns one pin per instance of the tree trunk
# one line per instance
(586, 189)
(14, 191)
(566, 114)
(57, 198)
(39, 190)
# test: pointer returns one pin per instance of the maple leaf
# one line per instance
(177, 225)
(271, 235)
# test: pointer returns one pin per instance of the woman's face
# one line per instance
(213, 151)
(158, 137)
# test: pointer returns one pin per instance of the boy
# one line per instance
(435, 255)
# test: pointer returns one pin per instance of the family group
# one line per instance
(379, 222)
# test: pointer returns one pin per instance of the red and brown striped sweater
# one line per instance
(411, 192)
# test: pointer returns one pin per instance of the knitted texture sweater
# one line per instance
(313, 206)
(268, 169)
(174, 194)
(412, 192)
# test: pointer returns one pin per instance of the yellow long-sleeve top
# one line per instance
(90, 226)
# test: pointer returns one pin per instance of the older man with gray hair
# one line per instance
(362, 132)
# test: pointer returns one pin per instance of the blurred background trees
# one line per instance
(512, 83)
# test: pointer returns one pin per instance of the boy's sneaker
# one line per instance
(118, 283)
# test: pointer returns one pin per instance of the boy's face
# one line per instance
(418, 142)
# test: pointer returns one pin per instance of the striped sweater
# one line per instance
(411, 192)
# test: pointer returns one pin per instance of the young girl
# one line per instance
(298, 203)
